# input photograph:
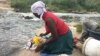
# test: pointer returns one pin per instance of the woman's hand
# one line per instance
(42, 40)
(39, 47)
(42, 34)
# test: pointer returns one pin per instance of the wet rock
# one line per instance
(28, 17)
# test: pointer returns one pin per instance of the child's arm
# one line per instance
(31, 45)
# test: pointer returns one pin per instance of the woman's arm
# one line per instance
(53, 31)
(52, 27)
(44, 34)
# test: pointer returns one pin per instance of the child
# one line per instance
(34, 42)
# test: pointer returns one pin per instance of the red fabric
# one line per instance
(75, 40)
(61, 27)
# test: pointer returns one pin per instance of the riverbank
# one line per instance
(24, 52)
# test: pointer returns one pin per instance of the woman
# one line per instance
(61, 42)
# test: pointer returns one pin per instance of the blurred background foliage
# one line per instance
(60, 5)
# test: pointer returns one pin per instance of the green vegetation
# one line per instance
(60, 5)
(22, 5)
(79, 28)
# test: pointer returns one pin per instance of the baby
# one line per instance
(34, 42)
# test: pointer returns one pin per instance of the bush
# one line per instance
(22, 5)
(78, 28)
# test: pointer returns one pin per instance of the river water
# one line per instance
(14, 32)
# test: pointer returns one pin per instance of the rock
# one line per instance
(28, 17)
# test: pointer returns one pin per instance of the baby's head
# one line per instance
(37, 40)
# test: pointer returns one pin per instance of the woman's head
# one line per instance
(38, 8)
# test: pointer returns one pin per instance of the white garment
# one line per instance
(64, 55)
